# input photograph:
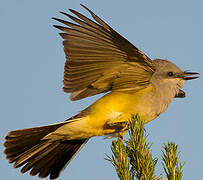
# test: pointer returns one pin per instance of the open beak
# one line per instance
(186, 76)
(180, 94)
(190, 75)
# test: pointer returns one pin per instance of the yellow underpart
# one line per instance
(112, 108)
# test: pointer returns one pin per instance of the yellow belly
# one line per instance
(119, 107)
(111, 108)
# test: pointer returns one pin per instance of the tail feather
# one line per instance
(68, 154)
(40, 158)
(45, 163)
(26, 148)
(31, 153)
(21, 140)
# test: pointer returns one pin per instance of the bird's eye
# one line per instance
(170, 74)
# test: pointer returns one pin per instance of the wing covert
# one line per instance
(98, 59)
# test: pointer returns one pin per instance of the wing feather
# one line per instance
(98, 59)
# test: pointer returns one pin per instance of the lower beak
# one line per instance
(180, 94)
(190, 75)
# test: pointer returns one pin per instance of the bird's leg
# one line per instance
(119, 125)
(121, 135)
(123, 131)
(122, 127)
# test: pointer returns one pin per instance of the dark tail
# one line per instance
(26, 148)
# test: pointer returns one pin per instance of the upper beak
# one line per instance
(190, 75)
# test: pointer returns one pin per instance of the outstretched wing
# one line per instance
(98, 59)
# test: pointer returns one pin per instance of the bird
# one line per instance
(98, 60)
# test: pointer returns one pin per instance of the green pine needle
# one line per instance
(171, 161)
(133, 158)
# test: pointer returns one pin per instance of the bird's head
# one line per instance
(168, 75)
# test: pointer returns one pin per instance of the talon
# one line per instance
(120, 137)
(124, 123)
(119, 123)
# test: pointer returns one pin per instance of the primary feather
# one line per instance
(98, 59)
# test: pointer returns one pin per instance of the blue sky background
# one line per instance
(31, 72)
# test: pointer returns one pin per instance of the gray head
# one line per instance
(170, 78)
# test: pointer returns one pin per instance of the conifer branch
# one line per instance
(171, 161)
(120, 160)
(133, 158)
(139, 153)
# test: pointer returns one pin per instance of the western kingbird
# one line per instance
(98, 60)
